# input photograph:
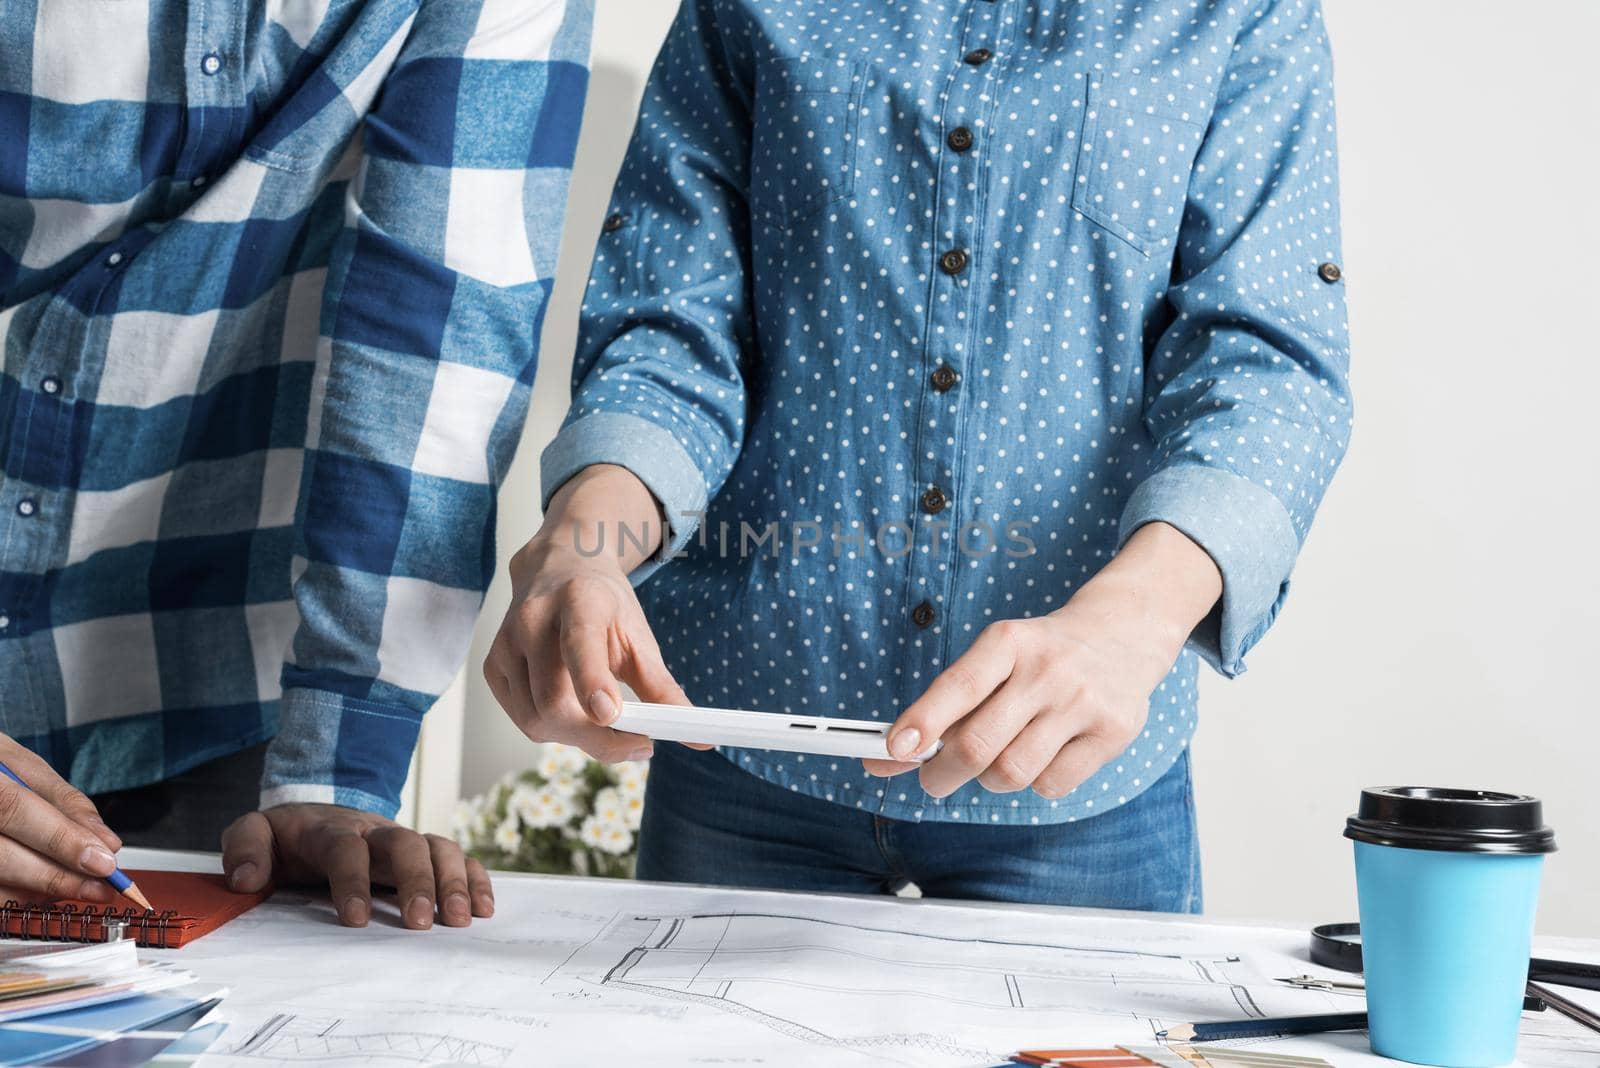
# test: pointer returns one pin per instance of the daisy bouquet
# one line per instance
(567, 814)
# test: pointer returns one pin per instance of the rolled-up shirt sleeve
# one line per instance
(1247, 390)
(658, 383)
(441, 277)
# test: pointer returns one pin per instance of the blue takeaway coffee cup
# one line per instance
(1448, 881)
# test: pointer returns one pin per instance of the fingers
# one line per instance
(888, 767)
(560, 718)
(1024, 759)
(586, 657)
(479, 886)
(973, 744)
(340, 853)
(43, 780)
(958, 690)
(30, 820)
(247, 853)
(403, 859)
(1073, 765)
(32, 877)
(452, 890)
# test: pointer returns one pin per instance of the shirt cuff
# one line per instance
(1248, 534)
(653, 455)
(336, 750)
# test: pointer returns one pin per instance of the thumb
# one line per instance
(247, 853)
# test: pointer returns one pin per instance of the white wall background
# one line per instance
(1447, 606)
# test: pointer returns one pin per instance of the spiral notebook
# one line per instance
(188, 905)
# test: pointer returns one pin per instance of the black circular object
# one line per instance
(27, 506)
(953, 262)
(959, 139)
(1454, 821)
(943, 378)
(50, 384)
(978, 57)
(922, 615)
(934, 501)
(1337, 946)
(1330, 273)
(613, 223)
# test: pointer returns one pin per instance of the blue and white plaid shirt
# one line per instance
(271, 283)
(893, 292)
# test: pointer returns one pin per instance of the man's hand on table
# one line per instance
(353, 851)
(1046, 702)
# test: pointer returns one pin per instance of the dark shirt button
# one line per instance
(613, 223)
(960, 139)
(943, 378)
(1330, 273)
(934, 501)
(27, 506)
(922, 615)
(50, 384)
(978, 57)
(953, 262)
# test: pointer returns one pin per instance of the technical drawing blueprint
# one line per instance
(573, 972)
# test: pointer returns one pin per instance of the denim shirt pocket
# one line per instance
(1133, 168)
(805, 137)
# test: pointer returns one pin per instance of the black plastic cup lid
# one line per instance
(1455, 821)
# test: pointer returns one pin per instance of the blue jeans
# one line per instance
(705, 821)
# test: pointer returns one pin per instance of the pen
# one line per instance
(1287, 1025)
(118, 880)
(1570, 1009)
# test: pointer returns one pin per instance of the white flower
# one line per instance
(524, 802)
(592, 833)
(508, 836)
(568, 786)
(615, 839)
(546, 807)
(561, 762)
(632, 812)
(608, 805)
(465, 818)
(480, 820)
(631, 779)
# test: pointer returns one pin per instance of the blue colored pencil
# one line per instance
(118, 878)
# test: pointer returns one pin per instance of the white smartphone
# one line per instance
(823, 735)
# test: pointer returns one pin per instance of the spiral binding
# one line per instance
(91, 923)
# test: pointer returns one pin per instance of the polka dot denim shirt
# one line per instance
(910, 311)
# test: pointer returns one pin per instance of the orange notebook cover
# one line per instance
(187, 906)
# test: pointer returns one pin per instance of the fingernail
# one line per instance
(243, 876)
(420, 912)
(458, 908)
(354, 912)
(640, 754)
(485, 905)
(602, 708)
(904, 743)
(97, 860)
